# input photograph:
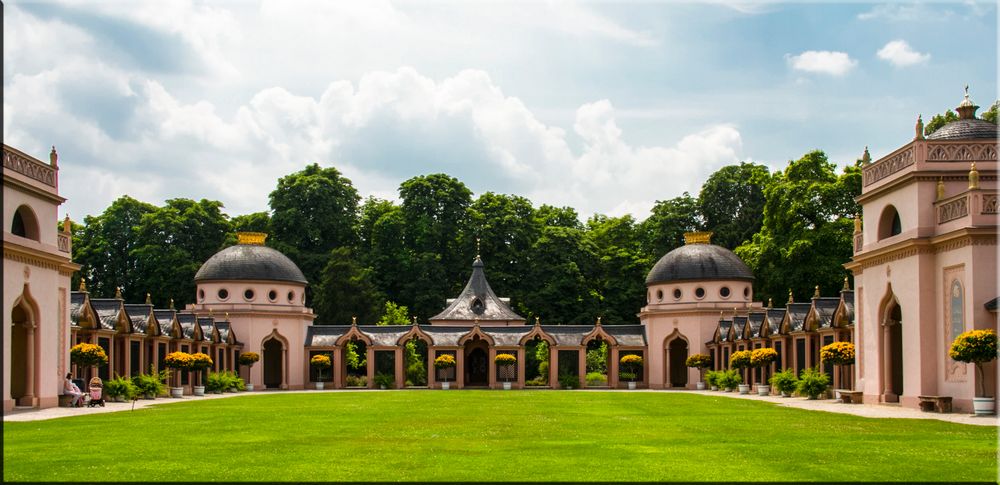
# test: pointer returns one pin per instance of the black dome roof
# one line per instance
(965, 129)
(250, 262)
(699, 262)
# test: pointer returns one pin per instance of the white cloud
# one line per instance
(824, 62)
(900, 54)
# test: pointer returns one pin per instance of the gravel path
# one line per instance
(828, 405)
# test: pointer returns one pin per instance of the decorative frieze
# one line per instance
(989, 204)
(859, 241)
(29, 168)
(63, 242)
(953, 210)
(887, 166)
(964, 152)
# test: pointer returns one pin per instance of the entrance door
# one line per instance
(896, 353)
(678, 363)
(19, 368)
(476, 368)
(273, 364)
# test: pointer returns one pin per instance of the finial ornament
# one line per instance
(857, 223)
(598, 321)
(920, 128)
(227, 316)
(67, 225)
(354, 321)
(973, 177)
(251, 238)
(816, 293)
(414, 320)
(770, 303)
(866, 157)
(477, 321)
(149, 299)
(791, 299)
(698, 237)
(966, 109)
(477, 248)
(83, 285)
(940, 188)
(118, 293)
(847, 284)
(537, 321)
(171, 304)
(54, 157)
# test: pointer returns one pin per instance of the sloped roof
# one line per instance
(107, 310)
(848, 298)
(139, 315)
(824, 309)
(507, 336)
(386, 335)
(187, 321)
(774, 319)
(756, 322)
(77, 307)
(632, 335)
(724, 327)
(206, 324)
(478, 301)
(739, 327)
(324, 335)
(796, 313)
(224, 331)
(445, 336)
(165, 319)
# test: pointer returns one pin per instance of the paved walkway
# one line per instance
(828, 405)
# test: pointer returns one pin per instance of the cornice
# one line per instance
(969, 236)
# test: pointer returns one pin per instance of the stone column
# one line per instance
(645, 369)
(400, 368)
(521, 356)
(284, 368)
(370, 368)
(431, 370)
(886, 364)
(29, 366)
(613, 368)
(581, 368)
(553, 367)
(460, 368)
(491, 368)
(668, 379)
(338, 368)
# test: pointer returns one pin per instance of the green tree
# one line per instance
(105, 249)
(506, 227)
(806, 233)
(618, 280)
(731, 203)
(991, 113)
(253, 222)
(561, 265)
(394, 314)
(548, 215)
(345, 290)
(938, 121)
(371, 211)
(664, 229)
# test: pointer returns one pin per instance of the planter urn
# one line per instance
(715, 388)
(445, 385)
(631, 385)
(984, 406)
(198, 390)
(506, 386)
(763, 390)
(176, 392)
(249, 386)
(319, 386)
(700, 386)
(744, 388)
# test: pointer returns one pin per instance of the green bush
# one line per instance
(812, 383)
(215, 382)
(569, 381)
(121, 387)
(387, 381)
(151, 384)
(729, 379)
(712, 378)
(596, 379)
(785, 381)
(356, 381)
(538, 381)
(627, 376)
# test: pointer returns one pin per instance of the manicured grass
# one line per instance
(492, 435)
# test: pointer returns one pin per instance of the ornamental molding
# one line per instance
(955, 209)
(887, 166)
(964, 152)
(989, 204)
(914, 247)
(24, 165)
(39, 259)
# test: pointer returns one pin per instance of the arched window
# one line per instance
(889, 224)
(25, 224)
(957, 309)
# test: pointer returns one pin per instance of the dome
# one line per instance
(965, 129)
(698, 261)
(250, 260)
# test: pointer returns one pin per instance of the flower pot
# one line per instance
(319, 386)
(149, 395)
(715, 388)
(198, 390)
(445, 386)
(249, 386)
(744, 388)
(631, 386)
(506, 386)
(983, 406)
(763, 390)
(700, 386)
(785, 394)
(176, 392)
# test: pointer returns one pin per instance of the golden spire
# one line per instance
(227, 316)
(973, 177)
(770, 303)
(722, 315)
(791, 299)
(83, 285)
(149, 299)
(354, 321)
(816, 294)
(920, 128)
(67, 225)
(252, 238)
(537, 321)
(118, 293)
(857, 223)
(171, 304)
(847, 284)
(866, 157)
(414, 320)
(54, 157)
(940, 188)
(698, 237)
(966, 109)
(598, 321)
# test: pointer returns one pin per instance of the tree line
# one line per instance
(792, 227)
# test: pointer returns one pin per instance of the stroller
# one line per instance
(96, 393)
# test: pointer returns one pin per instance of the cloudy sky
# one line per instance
(606, 107)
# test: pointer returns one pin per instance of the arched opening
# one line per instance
(476, 362)
(24, 223)
(893, 351)
(889, 224)
(415, 360)
(355, 359)
(273, 360)
(21, 355)
(536, 362)
(678, 350)
(597, 362)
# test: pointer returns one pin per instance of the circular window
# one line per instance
(248, 294)
(201, 295)
(291, 297)
(677, 293)
(746, 292)
(724, 292)
(272, 295)
(223, 294)
(699, 293)
(659, 295)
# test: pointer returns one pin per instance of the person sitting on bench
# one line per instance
(70, 389)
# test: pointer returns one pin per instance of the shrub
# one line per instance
(740, 359)
(597, 359)
(569, 381)
(839, 353)
(596, 379)
(121, 387)
(711, 378)
(88, 355)
(356, 381)
(505, 359)
(214, 382)
(249, 358)
(387, 381)
(729, 379)
(812, 383)
(151, 384)
(976, 347)
(416, 374)
(627, 376)
(698, 361)
(538, 381)
(785, 381)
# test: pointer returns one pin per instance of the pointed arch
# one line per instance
(676, 334)
(274, 349)
(676, 348)
(476, 331)
(415, 332)
(537, 331)
(598, 332)
(353, 333)
(24, 349)
(887, 304)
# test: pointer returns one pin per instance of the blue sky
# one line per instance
(605, 107)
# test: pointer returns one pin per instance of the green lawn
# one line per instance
(492, 435)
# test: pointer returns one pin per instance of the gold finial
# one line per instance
(698, 237)
(54, 157)
(722, 315)
(973, 177)
(940, 188)
(770, 303)
(118, 293)
(537, 321)
(171, 304)
(866, 157)
(149, 299)
(227, 316)
(920, 128)
(847, 284)
(354, 321)
(414, 320)
(791, 299)
(477, 321)
(816, 294)
(857, 223)
(598, 321)
(83, 285)
(252, 238)
(67, 225)
(210, 312)
(477, 248)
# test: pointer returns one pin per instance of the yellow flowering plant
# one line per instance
(444, 361)
(740, 359)
(200, 361)
(88, 355)
(630, 366)
(839, 353)
(320, 362)
(976, 347)
(249, 358)
(505, 359)
(178, 361)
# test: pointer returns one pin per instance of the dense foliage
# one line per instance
(88, 355)
(977, 347)
(839, 353)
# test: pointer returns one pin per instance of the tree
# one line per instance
(345, 290)
(806, 233)
(371, 211)
(394, 314)
(105, 249)
(938, 121)
(731, 203)
(991, 113)
(548, 215)
(506, 228)
(560, 265)
(253, 222)
(619, 277)
(664, 229)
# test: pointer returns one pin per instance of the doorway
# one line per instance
(273, 361)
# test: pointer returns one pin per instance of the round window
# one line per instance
(248, 294)
(746, 292)
(699, 293)
(659, 295)
(201, 295)
(223, 294)
(291, 296)
(677, 293)
(272, 295)
(724, 292)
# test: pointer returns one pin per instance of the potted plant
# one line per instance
(506, 362)
(700, 362)
(320, 362)
(741, 360)
(200, 363)
(180, 362)
(711, 379)
(840, 354)
(812, 383)
(151, 385)
(762, 359)
(631, 364)
(214, 383)
(977, 347)
(444, 362)
(249, 359)
(385, 381)
(120, 389)
(785, 382)
(88, 355)
(730, 380)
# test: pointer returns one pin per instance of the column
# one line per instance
(521, 356)
(645, 369)
(460, 368)
(668, 380)
(613, 368)
(431, 371)
(400, 368)
(284, 368)
(553, 367)
(581, 369)
(491, 365)
(370, 368)
(29, 367)
(886, 362)
(338, 369)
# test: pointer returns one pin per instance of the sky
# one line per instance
(604, 107)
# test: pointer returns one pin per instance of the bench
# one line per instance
(65, 400)
(941, 404)
(851, 397)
